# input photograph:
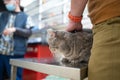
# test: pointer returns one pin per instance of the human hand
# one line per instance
(74, 26)
(8, 31)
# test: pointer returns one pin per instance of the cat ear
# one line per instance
(51, 33)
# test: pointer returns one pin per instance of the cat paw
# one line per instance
(74, 61)
(64, 60)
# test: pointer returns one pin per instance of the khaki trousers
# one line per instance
(104, 63)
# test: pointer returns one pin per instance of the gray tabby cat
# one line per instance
(75, 47)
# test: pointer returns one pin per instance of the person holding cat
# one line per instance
(20, 30)
(104, 62)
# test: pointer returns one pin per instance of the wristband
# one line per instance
(74, 18)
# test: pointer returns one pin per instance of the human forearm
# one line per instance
(77, 7)
(23, 32)
(75, 15)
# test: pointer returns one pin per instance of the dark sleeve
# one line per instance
(23, 32)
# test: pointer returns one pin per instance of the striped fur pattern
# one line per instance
(75, 47)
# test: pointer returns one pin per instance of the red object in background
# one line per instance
(36, 51)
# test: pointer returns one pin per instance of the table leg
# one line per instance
(13, 72)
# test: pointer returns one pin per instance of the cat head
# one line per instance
(57, 40)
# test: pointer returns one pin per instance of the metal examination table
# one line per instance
(48, 66)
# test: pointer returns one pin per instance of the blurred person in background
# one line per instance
(2, 7)
(21, 31)
(104, 63)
